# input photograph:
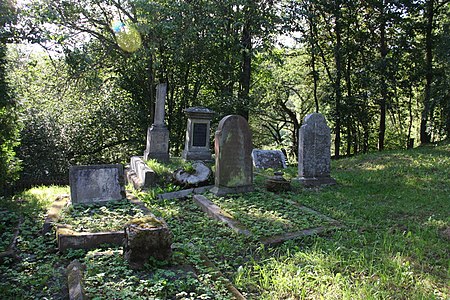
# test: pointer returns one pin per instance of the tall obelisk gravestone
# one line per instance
(314, 153)
(158, 134)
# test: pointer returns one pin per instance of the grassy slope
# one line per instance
(395, 206)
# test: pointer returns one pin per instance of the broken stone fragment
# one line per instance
(144, 238)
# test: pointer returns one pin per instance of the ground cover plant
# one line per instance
(394, 245)
(97, 217)
(268, 214)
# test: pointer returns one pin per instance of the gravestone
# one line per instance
(233, 148)
(196, 145)
(264, 159)
(314, 154)
(96, 183)
(158, 134)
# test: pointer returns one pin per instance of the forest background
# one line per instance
(378, 70)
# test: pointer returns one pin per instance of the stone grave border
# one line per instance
(69, 239)
(139, 174)
(10, 251)
(215, 212)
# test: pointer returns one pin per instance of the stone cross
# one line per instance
(314, 153)
(158, 134)
(233, 148)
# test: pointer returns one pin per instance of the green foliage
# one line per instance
(393, 204)
(9, 118)
(110, 216)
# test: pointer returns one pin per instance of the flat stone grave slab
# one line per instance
(96, 183)
(270, 218)
(264, 159)
(90, 226)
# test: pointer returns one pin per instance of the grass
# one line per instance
(395, 207)
(110, 216)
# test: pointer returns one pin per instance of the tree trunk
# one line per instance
(244, 89)
(312, 39)
(425, 136)
(338, 92)
(383, 74)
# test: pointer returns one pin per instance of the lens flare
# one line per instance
(127, 36)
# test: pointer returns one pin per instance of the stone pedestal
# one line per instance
(158, 134)
(233, 147)
(196, 145)
(157, 143)
(314, 154)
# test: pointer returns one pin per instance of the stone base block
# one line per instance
(316, 181)
(69, 239)
(157, 143)
(222, 190)
(146, 176)
(197, 155)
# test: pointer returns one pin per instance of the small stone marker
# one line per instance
(144, 238)
(233, 147)
(196, 145)
(96, 183)
(278, 183)
(158, 134)
(264, 159)
(314, 154)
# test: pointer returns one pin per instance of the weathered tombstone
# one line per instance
(233, 148)
(96, 183)
(158, 134)
(264, 159)
(314, 154)
(140, 175)
(196, 146)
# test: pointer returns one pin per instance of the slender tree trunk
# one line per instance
(383, 75)
(425, 136)
(312, 39)
(245, 71)
(338, 92)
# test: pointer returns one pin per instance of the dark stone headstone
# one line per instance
(264, 159)
(96, 183)
(314, 154)
(233, 147)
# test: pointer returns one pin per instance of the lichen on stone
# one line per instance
(145, 222)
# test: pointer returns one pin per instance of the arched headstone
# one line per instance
(233, 148)
(314, 153)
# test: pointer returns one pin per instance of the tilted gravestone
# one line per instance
(314, 154)
(264, 159)
(96, 183)
(233, 148)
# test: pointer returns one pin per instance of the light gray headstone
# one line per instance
(264, 159)
(314, 153)
(96, 183)
(233, 148)
(158, 134)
